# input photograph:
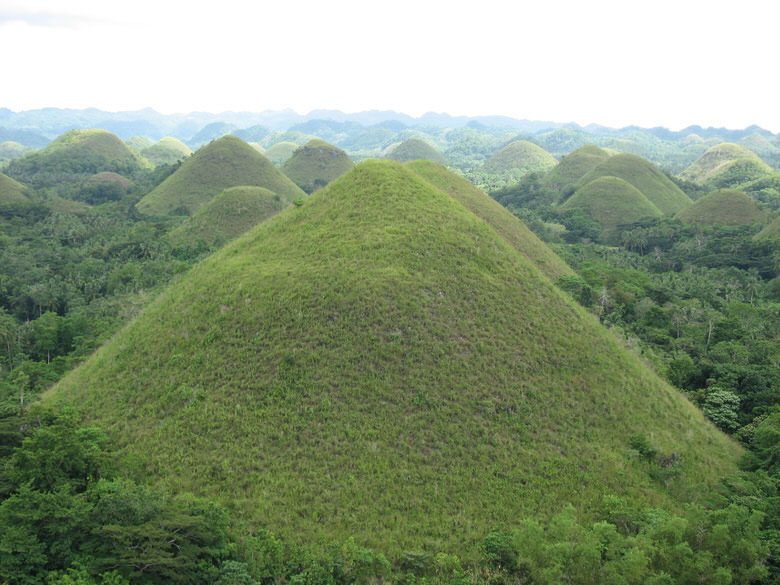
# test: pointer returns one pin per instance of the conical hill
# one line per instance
(416, 149)
(315, 164)
(11, 191)
(503, 222)
(379, 363)
(520, 155)
(725, 207)
(280, 152)
(166, 151)
(574, 166)
(717, 159)
(221, 164)
(646, 177)
(613, 202)
(228, 215)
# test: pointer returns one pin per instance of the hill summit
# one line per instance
(315, 164)
(379, 363)
(717, 161)
(416, 149)
(221, 164)
(574, 166)
(725, 207)
(521, 155)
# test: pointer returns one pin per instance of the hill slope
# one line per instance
(416, 149)
(223, 163)
(503, 222)
(574, 166)
(379, 363)
(315, 164)
(521, 155)
(280, 152)
(228, 215)
(646, 177)
(717, 159)
(166, 151)
(725, 207)
(11, 191)
(612, 201)
(770, 232)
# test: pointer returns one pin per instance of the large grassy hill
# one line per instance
(166, 151)
(725, 207)
(12, 191)
(416, 149)
(574, 166)
(613, 202)
(717, 160)
(379, 363)
(315, 164)
(228, 215)
(646, 177)
(503, 222)
(521, 155)
(74, 156)
(223, 163)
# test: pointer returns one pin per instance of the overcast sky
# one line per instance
(668, 63)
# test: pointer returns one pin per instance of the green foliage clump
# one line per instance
(315, 164)
(725, 207)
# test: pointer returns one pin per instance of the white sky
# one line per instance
(669, 63)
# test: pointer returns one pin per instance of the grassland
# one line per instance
(416, 149)
(228, 215)
(221, 164)
(166, 151)
(574, 166)
(521, 155)
(613, 202)
(378, 363)
(280, 152)
(717, 159)
(771, 231)
(645, 177)
(12, 191)
(315, 164)
(725, 207)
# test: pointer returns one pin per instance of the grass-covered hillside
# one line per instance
(771, 231)
(521, 155)
(166, 151)
(223, 163)
(646, 177)
(612, 202)
(74, 156)
(12, 191)
(10, 150)
(574, 166)
(725, 207)
(280, 152)
(503, 222)
(315, 164)
(380, 363)
(717, 160)
(416, 149)
(228, 215)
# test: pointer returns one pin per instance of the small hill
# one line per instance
(221, 164)
(759, 144)
(504, 223)
(378, 363)
(416, 149)
(227, 216)
(574, 166)
(613, 202)
(12, 191)
(717, 159)
(166, 151)
(521, 155)
(771, 231)
(73, 157)
(10, 150)
(315, 164)
(138, 143)
(739, 173)
(646, 177)
(211, 132)
(725, 207)
(280, 152)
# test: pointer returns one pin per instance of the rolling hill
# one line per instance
(166, 151)
(717, 160)
(646, 177)
(12, 191)
(520, 155)
(416, 149)
(613, 202)
(228, 215)
(315, 164)
(379, 363)
(574, 166)
(771, 231)
(223, 163)
(725, 207)
(280, 152)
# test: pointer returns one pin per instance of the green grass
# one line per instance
(227, 216)
(12, 191)
(522, 155)
(415, 149)
(138, 143)
(759, 144)
(223, 163)
(613, 202)
(503, 222)
(725, 207)
(716, 159)
(574, 166)
(379, 363)
(166, 151)
(315, 164)
(280, 152)
(645, 177)
(771, 231)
